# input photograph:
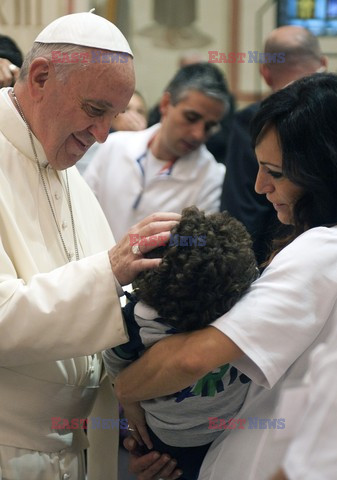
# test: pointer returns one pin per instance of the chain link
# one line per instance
(68, 255)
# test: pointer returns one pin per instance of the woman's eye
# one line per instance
(275, 174)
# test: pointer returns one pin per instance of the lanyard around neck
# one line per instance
(165, 170)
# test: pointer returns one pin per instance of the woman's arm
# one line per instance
(175, 363)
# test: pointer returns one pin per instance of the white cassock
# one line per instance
(55, 316)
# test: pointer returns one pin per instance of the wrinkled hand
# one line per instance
(137, 424)
(149, 233)
(151, 466)
(9, 73)
(129, 121)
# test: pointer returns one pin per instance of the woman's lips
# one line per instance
(278, 206)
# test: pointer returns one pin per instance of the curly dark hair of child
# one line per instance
(198, 281)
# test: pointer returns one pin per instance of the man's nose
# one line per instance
(199, 132)
(100, 129)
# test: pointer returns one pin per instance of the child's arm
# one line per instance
(114, 363)
(118, 358)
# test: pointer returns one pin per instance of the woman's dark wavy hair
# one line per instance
(194, 285)
(305, 117)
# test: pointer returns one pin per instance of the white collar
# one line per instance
(14, 129)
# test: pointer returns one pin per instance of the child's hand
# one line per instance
(137, 425)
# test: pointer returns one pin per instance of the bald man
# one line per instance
(303, 56)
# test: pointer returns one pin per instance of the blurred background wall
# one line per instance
(161, 31)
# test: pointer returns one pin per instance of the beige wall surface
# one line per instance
(22, 20)
(155, 65)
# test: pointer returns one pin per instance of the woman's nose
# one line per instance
(263, 183)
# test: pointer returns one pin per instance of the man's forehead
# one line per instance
(198, 96)
(199, 102)
(106, 86)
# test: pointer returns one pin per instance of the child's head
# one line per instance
(207, 266)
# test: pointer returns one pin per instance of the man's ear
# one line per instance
(324, 64)
(39, 73)
(164, 103)
(266, 74)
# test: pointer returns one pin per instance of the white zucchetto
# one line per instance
(85, 29)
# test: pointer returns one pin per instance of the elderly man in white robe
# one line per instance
(60, 273)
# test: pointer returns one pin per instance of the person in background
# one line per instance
(11, 59)
(218, 141)
(188, 57)
(271, 331)
(60, 270)
(167, 166)
(302, 56)
(135, 116)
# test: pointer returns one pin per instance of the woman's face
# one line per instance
(279, 190)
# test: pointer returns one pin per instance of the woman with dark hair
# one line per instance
(269, 334)
(304, 130)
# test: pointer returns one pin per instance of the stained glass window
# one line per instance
(318, 16)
